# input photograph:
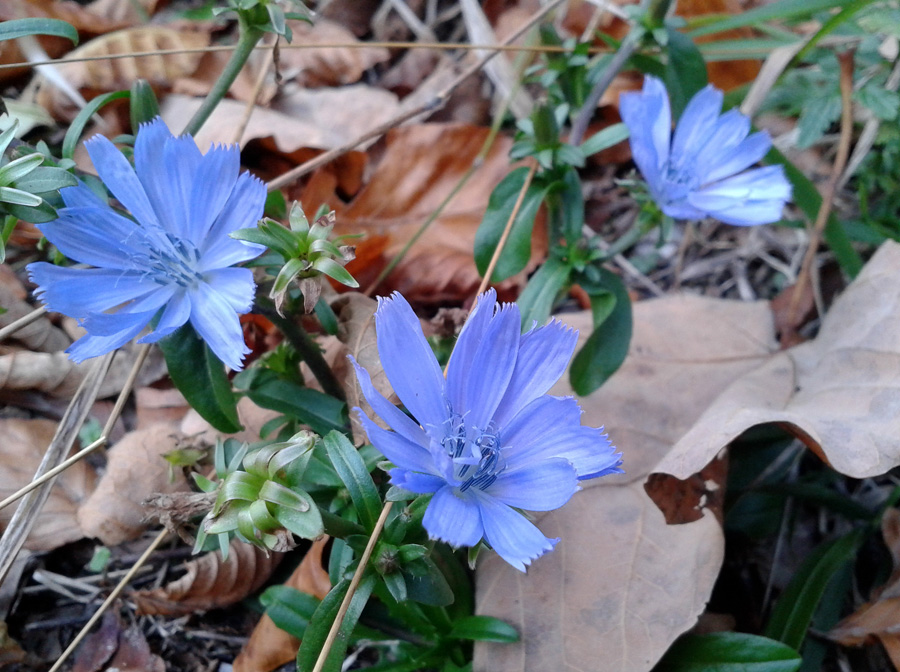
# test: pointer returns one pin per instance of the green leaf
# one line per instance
(818, 113)
(605, 349)
(20, 167)
(144, 106)
(517, 250)
(289, 608)
(565, 202)
(795, 608)
(685, 70)
(200, 376)
(883, 103)
(305, 524)
(335, 271)
(426, 583)
(609, 136)
(781, 9)
(18, 197)
(80, 121)
(484, 629)
(10, 30)
(352, 471)
(729, 652)
(396, 586)
(326, 316)
(46, 178)
(321, 623)
(321, 412)
(536, 301)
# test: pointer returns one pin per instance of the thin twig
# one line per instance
(22, 322)
(485, 281)
(843, 151)
(254, 98)
(109, 600)
(351, 589)
(100, 442)
(432, 105)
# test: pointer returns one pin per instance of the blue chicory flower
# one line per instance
(172, 263)
(488, 440)
(702, 170)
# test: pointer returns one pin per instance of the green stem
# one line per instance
(306, 348)
(628, 239)
(249, 36)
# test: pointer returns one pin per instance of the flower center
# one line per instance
(175, 260)
(475, 453)
(680, 180)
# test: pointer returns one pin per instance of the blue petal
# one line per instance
(456, 520)
(235, 285)
(63, 289)
(534, 426)
(399, 421)
(466, 347)
(543, 356)
(490, 371)
(421, 484)
(97, 236)
(218, 325)
(752, 197)
(81, 196)
(399, 450)
(747, 153)
(649, 120)
(509, 533)
(94, 346)
(214, 180)
(120, 178)
(408, 361)
(695, 126)
(243, 210)
(542, 486)
(112, 324)
(175, 314)
(682, 210)
(154, 169)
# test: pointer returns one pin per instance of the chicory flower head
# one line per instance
(168, 264)
(487, 440)
(701, 170)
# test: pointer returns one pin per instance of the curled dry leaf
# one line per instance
(270, 646)
(838, 393)
(423, 164)
(135, 470)
(314, 66)
(55, 374)
(24, 445)
(878, 619)
(653, 579)
(117, 649)
(251, 416)
(119, 73)
(211, 583)
(40, 335)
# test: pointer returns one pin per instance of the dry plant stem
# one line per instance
(485, 281)
(25, 516)
(109, 600)
(434, 104)
(100, 442)
(846, 81)
(444, 46)
(22, 322)
(351, 589)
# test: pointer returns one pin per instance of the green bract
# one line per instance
(258, 499)
(307, 253)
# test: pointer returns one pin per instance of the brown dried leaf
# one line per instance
(838, 393)
(135, 469)
(70, 11)
(314, 66)
(119, 73)
(115, 649)
(39, 335)
(24, 445)
(243, 88)
(655, 578)
(211, 583)
(251, 416)
(270, 646)
(422, 165)
(323, 119)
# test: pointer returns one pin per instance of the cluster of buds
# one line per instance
(258, 498)
(307, 252)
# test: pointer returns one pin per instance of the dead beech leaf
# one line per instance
(211, 583)
(839, 393)
(269, 646)
(314, 66)
(135, 469)
(210, 67)
(24, 445)
(39, 335)
(116, 649)
(422, 165)
(878, 619)
(623, 584)
(251, 416)
(119, 73)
